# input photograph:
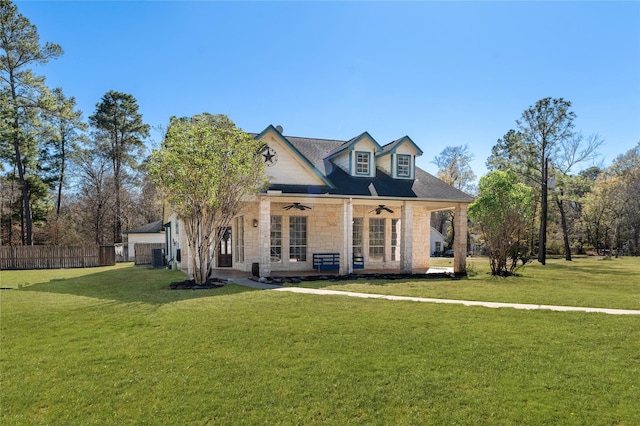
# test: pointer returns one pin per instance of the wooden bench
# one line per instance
(326, 261)
(358, 262)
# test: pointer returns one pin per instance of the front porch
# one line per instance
(364, 234)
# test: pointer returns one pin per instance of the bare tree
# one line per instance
(454, 168)
(571, 152)
(95, 195)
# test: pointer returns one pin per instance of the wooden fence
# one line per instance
(56, 257)
(143, 252)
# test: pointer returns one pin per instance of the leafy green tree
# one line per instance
(21, 98)
(205, 167)
(509, 152)
(544, 127)
(120, 134)
(545, 148)
(503, 211)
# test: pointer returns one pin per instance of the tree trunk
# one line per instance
(27, 229)
(117, 225)
(453, 230)
(60, 182)
(565, 229)
(542, 241)
(116, 146)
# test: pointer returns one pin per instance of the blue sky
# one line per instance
(444, 73)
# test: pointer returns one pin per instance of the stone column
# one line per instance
(264, 239)
(406, 238)
(460, 240)
(346, 250)
(427, 243)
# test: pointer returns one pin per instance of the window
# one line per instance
(298, 238)
(357, 236)
(395, 239)
(376, 239)
(240, 239)
(276, 238)
(362, 163)
(404, 165)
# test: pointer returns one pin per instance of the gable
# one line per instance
(398, 158)
(406, 149)
(284, 162)
(404, 143)
(357, 156)
(366, 143)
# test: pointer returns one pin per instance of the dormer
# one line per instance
(357, 156)
(398, 158)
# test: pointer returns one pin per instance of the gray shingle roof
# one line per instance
(316, 150)
(149, 228)
(424, 186)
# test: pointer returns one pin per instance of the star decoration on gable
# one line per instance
(270, 157)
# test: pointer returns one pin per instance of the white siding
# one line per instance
(436, 237)
(384, 163)
(142, 238)
(342, 161)
(288, 169)
(405, 148)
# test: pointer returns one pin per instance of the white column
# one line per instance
(264, 239)
(406, 238)
(460, 240)
(346, 252)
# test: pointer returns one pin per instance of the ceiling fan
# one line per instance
(297, 206)
(381, 207)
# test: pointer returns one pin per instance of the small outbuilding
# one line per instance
(151, 233)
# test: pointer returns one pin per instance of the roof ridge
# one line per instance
(394, 141)
(315, 139)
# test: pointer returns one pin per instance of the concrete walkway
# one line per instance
(250, 283)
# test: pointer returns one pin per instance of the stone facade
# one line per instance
(342, 183)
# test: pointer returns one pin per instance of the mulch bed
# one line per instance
(214, 283)
(351, 277)
(211, 283)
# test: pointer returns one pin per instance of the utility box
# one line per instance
(157, 258)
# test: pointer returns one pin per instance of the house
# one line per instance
(437, 242)
(150, 233)
(346, 205)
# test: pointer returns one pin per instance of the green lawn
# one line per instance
(586, 281)
(116, 346)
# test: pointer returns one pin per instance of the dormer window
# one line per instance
(363, 163)
(404, 165)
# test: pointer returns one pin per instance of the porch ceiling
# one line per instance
(388, 201)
